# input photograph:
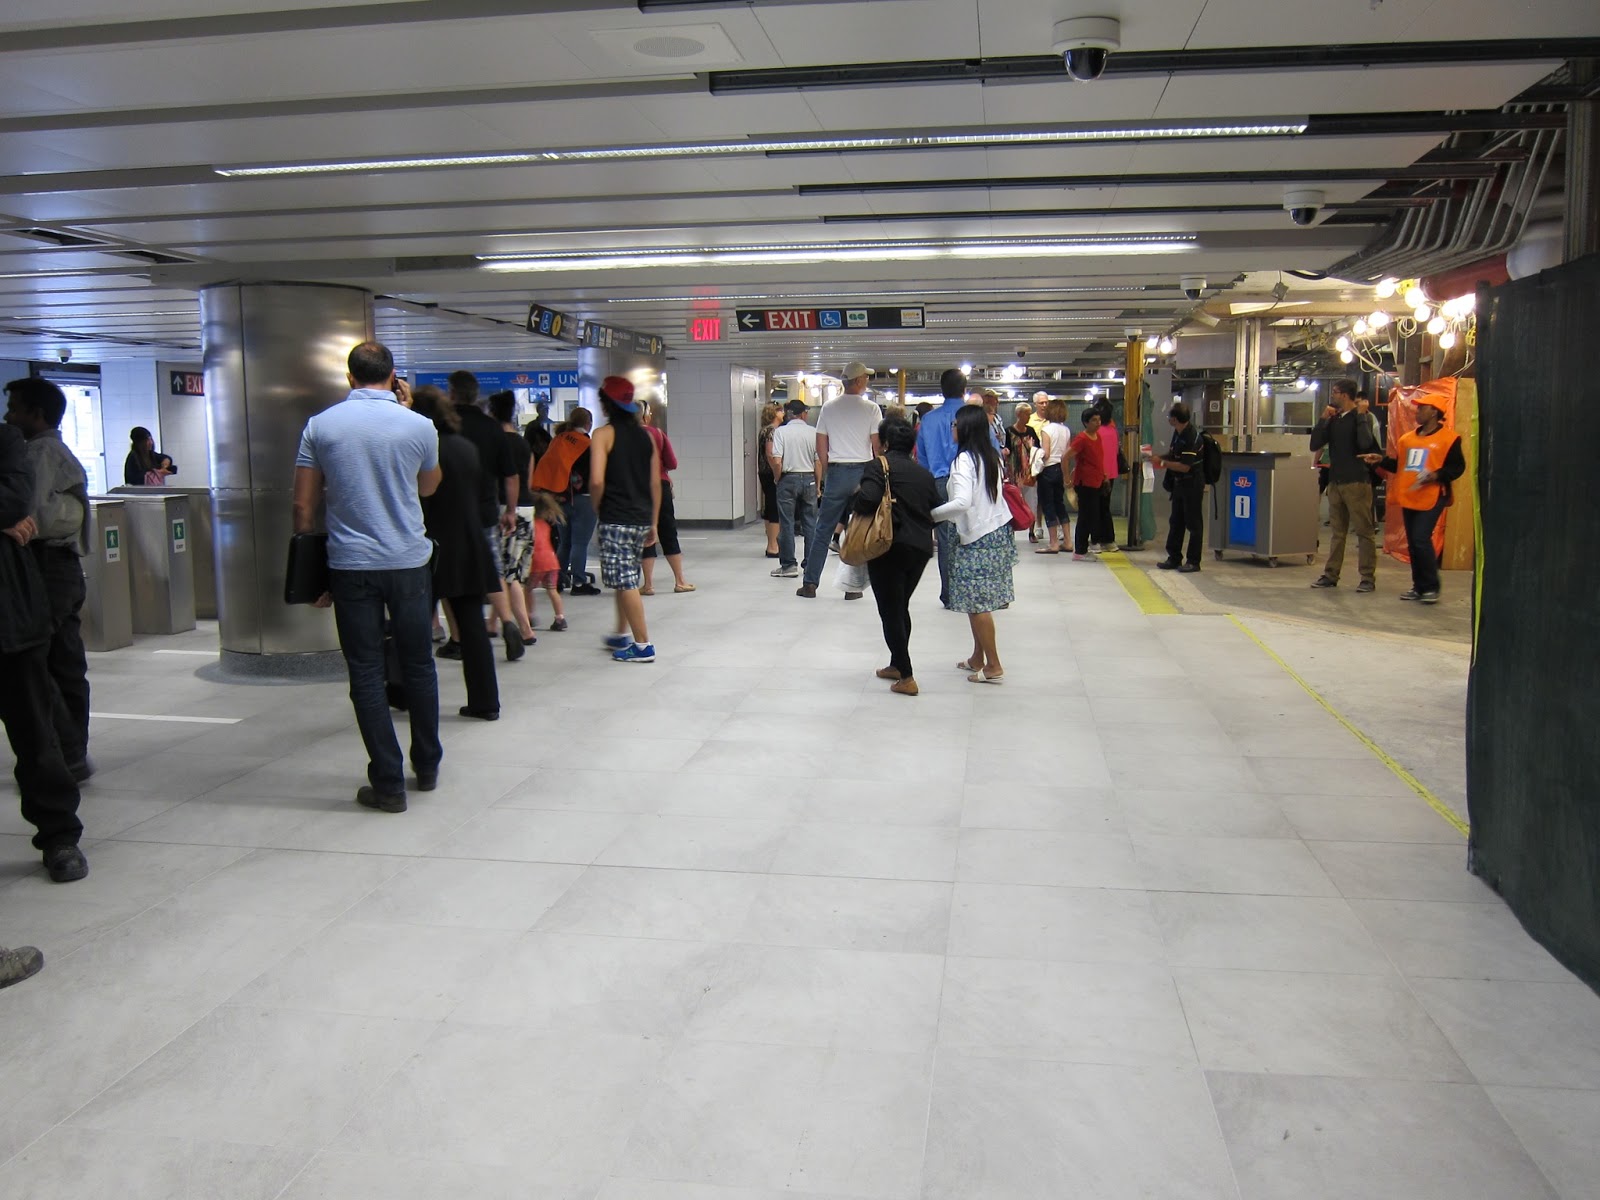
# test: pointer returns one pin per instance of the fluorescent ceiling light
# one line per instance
(838, 252)
(822, 298)
(792, 145)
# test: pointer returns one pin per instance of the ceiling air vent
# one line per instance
(57, 238)
(154, 256)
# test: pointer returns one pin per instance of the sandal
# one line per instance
(1047, 552)
(683, 587)
(967, 666)
(985, 677)
(649, 591)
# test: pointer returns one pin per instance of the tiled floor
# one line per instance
(1144, 922)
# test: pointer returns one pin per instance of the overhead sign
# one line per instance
(564, 327)
(501, 381)
(187, 383)
(705, 329)
(795, 320)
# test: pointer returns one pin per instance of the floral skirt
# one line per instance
(980, 572)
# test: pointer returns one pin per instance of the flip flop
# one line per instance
(1047, 552)
(683, 587)
(984, 677)
(966, 665)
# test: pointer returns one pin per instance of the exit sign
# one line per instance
(705, 329)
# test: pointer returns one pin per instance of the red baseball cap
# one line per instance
(620, 392)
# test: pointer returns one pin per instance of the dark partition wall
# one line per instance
(1533, 712)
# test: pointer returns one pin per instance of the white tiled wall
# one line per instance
(705, 419)
(185, 431)
(128, 397)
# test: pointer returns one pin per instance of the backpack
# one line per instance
(1210, 458)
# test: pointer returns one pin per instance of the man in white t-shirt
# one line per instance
(847, 440)
(794, 466)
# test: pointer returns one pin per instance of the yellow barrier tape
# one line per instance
(1141, 589)
(1405, 776)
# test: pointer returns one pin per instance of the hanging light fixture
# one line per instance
(1447, 339)
(1423, 314)
(1378, 319)
(1342, 344)
(1167, 345)
(1152, 342)
(1359, 329)
(1437, 325)
(1387, 288)
(1345, 356)
(1415, 297)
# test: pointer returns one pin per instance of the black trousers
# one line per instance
(69, 667)
(1187, 514)
(1420, 524)
(1091, 517)
(895, 575)
(477, 652)
(666, 526)
(27, 706)
(1107, 533)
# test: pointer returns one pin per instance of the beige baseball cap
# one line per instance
(855, 370)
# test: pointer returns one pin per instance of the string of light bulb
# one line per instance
(1450, 323)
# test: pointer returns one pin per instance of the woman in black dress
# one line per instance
(896, 573)
(464, 573)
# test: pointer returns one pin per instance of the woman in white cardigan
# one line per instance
(980, 567)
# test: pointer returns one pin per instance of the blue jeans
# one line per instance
(360, 599)
(797, 515)
(945, 538)
(839, 485)
(576, 534)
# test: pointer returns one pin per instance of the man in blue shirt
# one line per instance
(370, 461)
(936, 450)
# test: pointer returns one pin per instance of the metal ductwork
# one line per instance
(1480, 219)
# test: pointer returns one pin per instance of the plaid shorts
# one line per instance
(621, 547)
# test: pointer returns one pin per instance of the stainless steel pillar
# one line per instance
(274, 357)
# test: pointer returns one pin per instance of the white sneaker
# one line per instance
(787, 572)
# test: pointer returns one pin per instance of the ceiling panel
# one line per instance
(1380, 89)
(1013, 27)
(872, 31)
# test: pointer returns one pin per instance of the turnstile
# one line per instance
(161, 561)
(202, 546)
(108, 606)
(1265, 505)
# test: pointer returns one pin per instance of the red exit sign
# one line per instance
(705, 329)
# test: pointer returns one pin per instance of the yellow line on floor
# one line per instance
(1141, 589)
(1405, 776)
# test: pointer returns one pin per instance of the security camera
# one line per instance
(1022, 352)
(64, 354)
(1193, 286)
(1303, 206)
(1085, 43)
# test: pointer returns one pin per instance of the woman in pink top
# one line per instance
(667, 527)
(1105, 537)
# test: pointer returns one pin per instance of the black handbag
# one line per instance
(306, 579)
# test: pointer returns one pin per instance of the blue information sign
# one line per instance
(1243, 493)
(501, 381)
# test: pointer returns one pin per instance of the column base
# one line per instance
(321, 666)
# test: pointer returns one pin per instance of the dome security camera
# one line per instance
(1193, 286)
(1022, 352)
(1085, 43)
(1304, 205)
(64, 354)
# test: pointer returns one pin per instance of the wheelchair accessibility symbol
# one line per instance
(830, 318)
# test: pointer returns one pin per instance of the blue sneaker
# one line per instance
(635, 653)
(617, 641)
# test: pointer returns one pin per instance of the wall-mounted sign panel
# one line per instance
(501, 381)
(186, 383)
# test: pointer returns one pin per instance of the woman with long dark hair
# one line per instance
(980, 565)
(896, 573)
(141, 458)
(464, 572)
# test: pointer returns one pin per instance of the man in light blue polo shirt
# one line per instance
(370, 461)
(936, 450)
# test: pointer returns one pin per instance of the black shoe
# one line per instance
(585, 589)
(82, 770)
(66, 864)
(371, 798)
(515, 647)
(427, 780)
(1410, 594)
(481, 714)
(853, 595)
(1169, 564)
(449, 650)
(1322, 581)
(773, 554)
(19, 963)
(1366, 585)
(1428, 597)
(1188, 568)
(807, 590)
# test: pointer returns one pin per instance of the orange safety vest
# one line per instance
(1419, 453)
(553, 472)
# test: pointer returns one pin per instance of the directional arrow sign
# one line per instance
(795, 320)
